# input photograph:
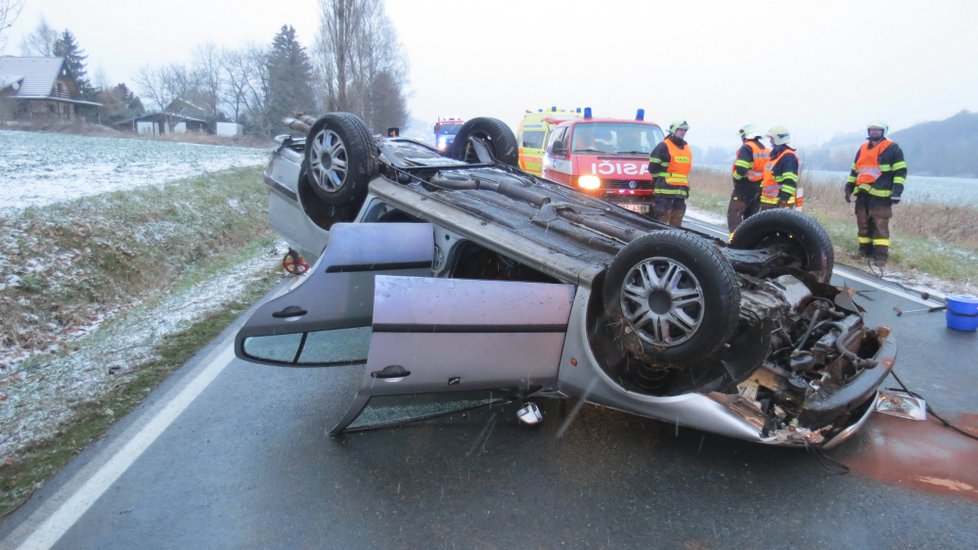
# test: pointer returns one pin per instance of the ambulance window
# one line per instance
(533, 139)
(558, 136)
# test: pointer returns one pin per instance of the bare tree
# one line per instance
(41, 41)
(100, 80)
(9, 10)
(357, 45)
(243, 81)
(234, 82)
(164, 84)
(207, 76)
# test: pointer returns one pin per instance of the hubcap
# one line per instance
(662, 301)
(328, 162)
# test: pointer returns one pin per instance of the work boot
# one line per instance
(866, 250)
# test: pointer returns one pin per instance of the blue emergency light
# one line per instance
(640, 115)
(587, 112)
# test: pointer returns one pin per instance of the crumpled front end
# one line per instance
(821, 372)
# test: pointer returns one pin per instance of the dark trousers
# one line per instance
(873, 226)
(739, 209)
(669, 210)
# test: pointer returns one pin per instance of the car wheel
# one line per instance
(496, 134)
(798, 235)
(340, 159)
(672, 298)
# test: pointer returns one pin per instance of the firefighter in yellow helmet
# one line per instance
(669, 165)
(780, 180)
(876, 179)
(748, 169)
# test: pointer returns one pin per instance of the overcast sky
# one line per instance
(819, 67)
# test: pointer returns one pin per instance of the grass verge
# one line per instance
(107, 261)
(22, 475)
(929, 238)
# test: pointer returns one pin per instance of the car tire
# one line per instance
(501, 141)
(799, 235)
(340, 159)
(672, 298)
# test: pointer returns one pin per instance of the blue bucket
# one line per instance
(962, 312)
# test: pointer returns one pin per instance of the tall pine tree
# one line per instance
(67, 47)
(289, 76)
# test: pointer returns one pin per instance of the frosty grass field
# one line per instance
(37, 169)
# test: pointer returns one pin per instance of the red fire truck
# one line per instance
(607, 157)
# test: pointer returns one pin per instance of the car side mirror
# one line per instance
(559, 148)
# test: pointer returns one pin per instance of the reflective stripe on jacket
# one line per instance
(671, 175)
(779, 178)
(874, 176)
(750, 162)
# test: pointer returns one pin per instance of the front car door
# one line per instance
(430, 345)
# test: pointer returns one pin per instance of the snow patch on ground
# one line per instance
(37, 169)
(37, 402)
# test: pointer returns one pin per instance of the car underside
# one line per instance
(748, 339)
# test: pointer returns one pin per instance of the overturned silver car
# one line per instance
(461, 281)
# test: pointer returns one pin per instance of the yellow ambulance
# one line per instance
(533, 132)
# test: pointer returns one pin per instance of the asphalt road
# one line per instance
(233, 455)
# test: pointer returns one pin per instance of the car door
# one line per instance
(430, 345)
(326, 320)
(445, 345)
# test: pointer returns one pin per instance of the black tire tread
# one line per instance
(810, 234)
(504, 146)
(361, 146)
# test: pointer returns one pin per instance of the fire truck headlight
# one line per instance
(589, 182)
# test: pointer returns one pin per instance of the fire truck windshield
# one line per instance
(615, 138)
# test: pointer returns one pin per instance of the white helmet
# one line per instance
(748, 131)
(678, 125)
(878, 125)
(780, 135)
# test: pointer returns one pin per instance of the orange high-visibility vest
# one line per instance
(761, 156)
(770, 188)
(868, 165)
(680, 162)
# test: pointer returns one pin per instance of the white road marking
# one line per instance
(76, 504)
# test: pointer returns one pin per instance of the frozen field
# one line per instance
(39, 168)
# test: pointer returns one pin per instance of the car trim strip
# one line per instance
(356, 268)
(466, 329)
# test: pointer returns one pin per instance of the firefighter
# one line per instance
(780, 180)
(669, 165)
(748, 170)
(876, 179)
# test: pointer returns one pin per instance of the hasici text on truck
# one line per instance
(605, 157)
(445, 130)
(533, 132)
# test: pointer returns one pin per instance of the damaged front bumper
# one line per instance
(827, 413)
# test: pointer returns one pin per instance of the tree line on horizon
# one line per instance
(356, 65)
